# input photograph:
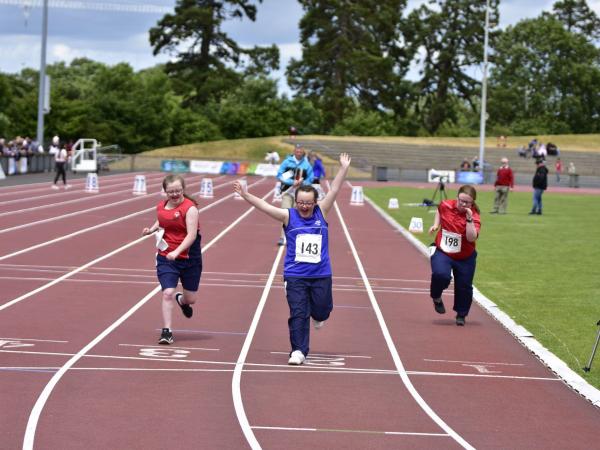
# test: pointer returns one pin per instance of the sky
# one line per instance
(113, 37)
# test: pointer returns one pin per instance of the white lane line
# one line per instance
(279, 368)
(237, 373)
(75, 213)
(75, 200)
(101, 258)
(29, 188)
(69, 274)
(392, 348)
(323, 354)
(34, 416)
(73, 190)
(101, 225)
(33, 340)
(171, 347)
(474, 362)
(341, 430)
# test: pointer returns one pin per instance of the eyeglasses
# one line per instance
(301, 203)
(465, 202)
(174, 192)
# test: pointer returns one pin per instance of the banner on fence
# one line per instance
(213, 167)
(174, 165)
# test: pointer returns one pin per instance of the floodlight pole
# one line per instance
(484, 88)
(42, 83)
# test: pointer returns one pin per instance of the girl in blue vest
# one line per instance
(307, 269)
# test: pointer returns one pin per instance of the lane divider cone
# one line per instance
(139, 185)
(206, 188)
(91, 183)
(357, 196)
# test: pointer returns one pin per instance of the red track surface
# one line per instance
(476, 386)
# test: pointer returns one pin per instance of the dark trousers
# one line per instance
(307, 297)
(463, 270)
(60, 171)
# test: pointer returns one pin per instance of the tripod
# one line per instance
(440, 190)
(589, 366)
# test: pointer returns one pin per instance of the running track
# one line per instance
(80, 317)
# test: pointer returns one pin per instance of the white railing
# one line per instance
(84, 157)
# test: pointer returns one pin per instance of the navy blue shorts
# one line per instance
(187, 270)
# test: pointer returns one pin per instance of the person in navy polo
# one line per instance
(457, 224)
(307, 268)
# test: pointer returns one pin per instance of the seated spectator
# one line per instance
(542, 152)
(501, 141)
(475, 164)
(552, 149)
(523, 152)
(465, 166)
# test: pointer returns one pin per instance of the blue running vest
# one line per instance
(307, 253)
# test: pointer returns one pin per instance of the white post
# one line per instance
(484, 89)
(42, 82)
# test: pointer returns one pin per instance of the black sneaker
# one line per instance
(166, 337)
(185, 308)
(460, 321)
(438, 304)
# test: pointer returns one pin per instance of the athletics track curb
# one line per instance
(524, 337)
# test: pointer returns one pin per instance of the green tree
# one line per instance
(450, 36)
(577, 17)
(206, 58)
(349, 53)
(545, 79)
(253, 110)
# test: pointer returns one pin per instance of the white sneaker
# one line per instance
(316, 324)
(296, 358)
(67, 186)
(55, 187)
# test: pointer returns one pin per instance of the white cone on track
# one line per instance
(357, 196)
(91, 183)
(139, 185)
(206, 188)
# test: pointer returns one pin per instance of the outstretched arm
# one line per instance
(281, 215)
(327, 203)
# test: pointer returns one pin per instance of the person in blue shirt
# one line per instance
(294, 171)
(307, 268)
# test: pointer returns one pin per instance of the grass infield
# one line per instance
(543, 271)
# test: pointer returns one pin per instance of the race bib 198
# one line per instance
(451, 242)
(308, 248)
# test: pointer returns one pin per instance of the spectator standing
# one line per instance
(307, 267)
(505, 181)
(179, 254)
(558, 168)
(293, 172)
(540, 184)
(60, 162)
(573, 177)
(457, 224)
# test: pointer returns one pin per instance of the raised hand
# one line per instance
(345, 160)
